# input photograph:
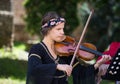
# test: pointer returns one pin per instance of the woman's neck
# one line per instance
(48, 42)
(50, 45)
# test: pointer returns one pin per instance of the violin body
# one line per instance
(68, 46)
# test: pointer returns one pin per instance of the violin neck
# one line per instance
(91, 50)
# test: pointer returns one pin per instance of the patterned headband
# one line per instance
(53, 22)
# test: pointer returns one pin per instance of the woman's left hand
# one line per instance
(104, 59)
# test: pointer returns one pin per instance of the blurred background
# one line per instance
(20, 29)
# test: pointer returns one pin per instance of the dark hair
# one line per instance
(47, 17)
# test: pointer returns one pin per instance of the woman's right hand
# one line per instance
(66, 68)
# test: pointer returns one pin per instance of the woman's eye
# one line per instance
(59, 29)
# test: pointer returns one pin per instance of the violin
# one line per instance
(87, 51)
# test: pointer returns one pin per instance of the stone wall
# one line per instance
(6, 23)
(5, 5)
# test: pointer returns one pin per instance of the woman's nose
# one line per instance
(62, 32)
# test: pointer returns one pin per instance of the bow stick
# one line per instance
(76, 50)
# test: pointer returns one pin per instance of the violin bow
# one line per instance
(80, 40)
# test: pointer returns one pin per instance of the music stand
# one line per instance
(113, 71)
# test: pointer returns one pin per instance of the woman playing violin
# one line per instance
(45, 66)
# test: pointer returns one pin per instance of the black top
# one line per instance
(84, 74)
(42, 68)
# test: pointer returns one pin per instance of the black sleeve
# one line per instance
(38, 72)
(36, 67)
(35, 62)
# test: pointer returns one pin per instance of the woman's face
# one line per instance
(57, 33)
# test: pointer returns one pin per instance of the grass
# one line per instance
(107, 82)
(13, 65)
(11, 80)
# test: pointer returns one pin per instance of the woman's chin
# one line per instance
(59, 40)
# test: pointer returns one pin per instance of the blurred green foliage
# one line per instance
(103, 27)
(35, 9)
